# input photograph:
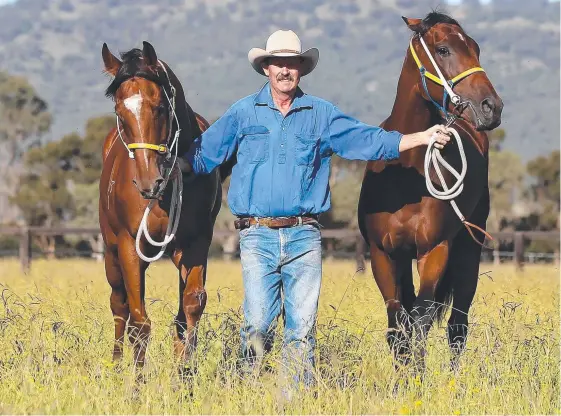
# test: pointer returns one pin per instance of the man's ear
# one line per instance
(265, 66)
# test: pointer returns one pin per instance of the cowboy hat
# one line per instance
(283, 43)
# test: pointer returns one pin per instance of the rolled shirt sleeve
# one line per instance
(354, 140)
(215, 146)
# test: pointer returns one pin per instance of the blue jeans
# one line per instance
(286, 260)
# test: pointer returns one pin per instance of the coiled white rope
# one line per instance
(173, 220)
(434, 158)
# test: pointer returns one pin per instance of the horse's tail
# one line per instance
(361, 214)
(443, 295)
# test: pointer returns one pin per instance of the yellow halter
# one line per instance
(435, 78)
(160, 148)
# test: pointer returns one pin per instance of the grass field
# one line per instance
(56, 333)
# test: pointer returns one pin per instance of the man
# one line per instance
(284, 140)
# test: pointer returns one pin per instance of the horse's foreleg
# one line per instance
(134, 269)
(431, 267)
(385, 272)
(464, 264)
(463, 272)
(192, 265)
(118, 300)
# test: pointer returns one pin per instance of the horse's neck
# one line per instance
(185, 115)
(410, 114)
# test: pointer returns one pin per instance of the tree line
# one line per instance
(56, 183)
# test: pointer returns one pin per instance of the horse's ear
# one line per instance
(149, 54)
(111, 62)
(413, 24)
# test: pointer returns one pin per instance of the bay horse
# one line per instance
(153, 122)
(401, 220)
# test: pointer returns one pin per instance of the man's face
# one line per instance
(283, 73)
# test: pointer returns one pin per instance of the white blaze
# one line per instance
(134, 104)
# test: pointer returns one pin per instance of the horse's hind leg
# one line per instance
(118, 300)
(388, 274)
(134, 269)
(431, 268)
(192, 265)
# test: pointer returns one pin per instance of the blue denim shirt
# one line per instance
(283, 162)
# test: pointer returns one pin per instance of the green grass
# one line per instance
(56, 333)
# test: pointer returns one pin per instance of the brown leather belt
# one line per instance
(279, 222)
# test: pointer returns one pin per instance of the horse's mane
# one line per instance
(432, 19)
(134, 66)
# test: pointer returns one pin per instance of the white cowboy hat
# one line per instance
(283, 43)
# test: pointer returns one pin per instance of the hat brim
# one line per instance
(256, 57)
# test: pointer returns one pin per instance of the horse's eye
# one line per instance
(442, 51)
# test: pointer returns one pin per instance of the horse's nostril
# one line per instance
(487, 106)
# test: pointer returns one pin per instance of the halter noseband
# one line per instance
(439, 78)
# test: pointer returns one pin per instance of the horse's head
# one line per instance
(457, 57)
(145, 107)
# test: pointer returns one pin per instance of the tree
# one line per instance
(544, 190)
(23, 116)
(506, 175)
(23, 120)
(61, 181)
(42, 195)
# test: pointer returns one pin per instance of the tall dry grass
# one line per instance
(56, 333)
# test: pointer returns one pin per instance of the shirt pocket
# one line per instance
(307, 147)
(255, 144)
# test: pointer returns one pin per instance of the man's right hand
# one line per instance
(441, 134)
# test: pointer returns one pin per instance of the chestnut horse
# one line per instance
(401, 220)
(154, 124)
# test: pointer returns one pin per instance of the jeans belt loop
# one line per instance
(300, 220)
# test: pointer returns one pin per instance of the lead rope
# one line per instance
(177, 190)
(434, 157)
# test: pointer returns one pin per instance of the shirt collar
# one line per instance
(264, 97)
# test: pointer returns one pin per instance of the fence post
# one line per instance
(519, 249)
(360, 248)
(25, 250)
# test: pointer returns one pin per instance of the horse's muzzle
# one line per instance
(151, 193)
(489, 113)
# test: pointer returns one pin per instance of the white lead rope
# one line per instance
(433, 156)
(173, 220)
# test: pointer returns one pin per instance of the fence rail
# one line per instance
(519, 239)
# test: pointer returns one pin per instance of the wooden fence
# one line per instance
(519, 238)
